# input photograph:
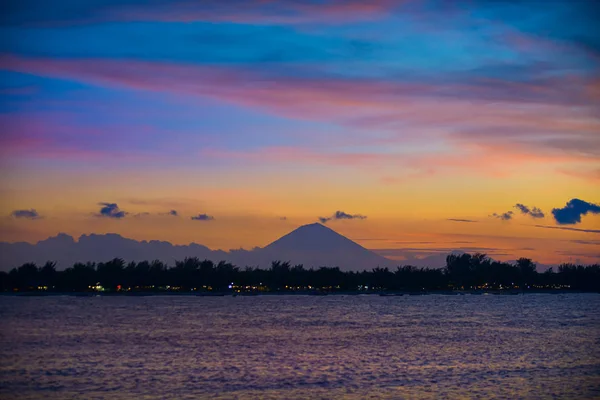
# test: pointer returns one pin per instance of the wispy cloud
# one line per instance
(141, 214)
(564, 228)
(253, 12)
(461, 220)
(503, 216)
(533, 212)
(587, 242)
(26, 214)
(483, 127)
(338, 215)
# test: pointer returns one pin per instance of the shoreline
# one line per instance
(293, 293)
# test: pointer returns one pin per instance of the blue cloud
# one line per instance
(575, 208)
(504, 216)
(173, 213)
(28, 214)
(111, 210)
(341, 215)
(202, 217)
(533, 212)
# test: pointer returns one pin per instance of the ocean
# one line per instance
(532, 346)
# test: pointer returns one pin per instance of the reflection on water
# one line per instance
(180, 347)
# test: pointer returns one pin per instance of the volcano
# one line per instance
(316, 245)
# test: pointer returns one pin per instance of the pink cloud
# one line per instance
(477, 161)
(592, 175)
(57, 137)
(482, 125)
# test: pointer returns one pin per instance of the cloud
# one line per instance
(56, 134)
(252, 12)
(461, 220)
(283, 218)
(27, 214)
(142, 214)
(110, 210)
(533, 212)
(168, 203)
(571, 213)
(587, 242)
(341, 215)
(171, 213)
(482, 124)
(202, 217)
(564, 228)
(590, 174)
(504, 216)
(236, 11)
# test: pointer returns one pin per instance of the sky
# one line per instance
(412, 127)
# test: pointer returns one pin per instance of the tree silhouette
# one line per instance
(462, 271)
(527, 269)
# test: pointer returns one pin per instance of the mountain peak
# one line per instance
(307, 237)
(316, 225)
(316, 244)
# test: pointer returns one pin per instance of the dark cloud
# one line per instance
(341, 215)
(504, 216)
(564, 228)
(571, 213)
(27, 214)
(403, 252)
(283, 218)
(533, 212)
(587, 242)
(575, 254)
(524, 209)
(110, 210)
(461, 220)
(202, 217)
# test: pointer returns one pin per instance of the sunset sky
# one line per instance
(231, 123)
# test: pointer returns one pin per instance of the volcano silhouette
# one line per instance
(316, 245)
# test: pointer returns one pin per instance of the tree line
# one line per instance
(461, 272)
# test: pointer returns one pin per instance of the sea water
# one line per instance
(305, 347)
